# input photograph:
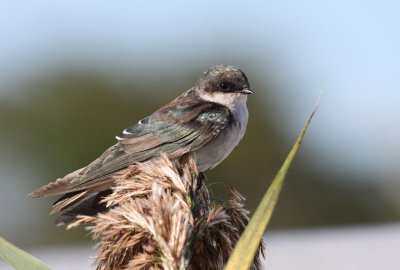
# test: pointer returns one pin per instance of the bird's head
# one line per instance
(224, 79)
(224, 84)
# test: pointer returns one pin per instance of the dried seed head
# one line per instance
(161, 217)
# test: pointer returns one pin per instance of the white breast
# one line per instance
(221, 146)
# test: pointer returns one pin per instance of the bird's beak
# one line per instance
(246, 92)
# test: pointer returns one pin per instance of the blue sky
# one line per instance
(349, 48)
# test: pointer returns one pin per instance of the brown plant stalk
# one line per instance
(161, 217)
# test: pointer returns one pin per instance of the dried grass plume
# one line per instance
(161, 217)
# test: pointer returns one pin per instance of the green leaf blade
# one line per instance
(18, 258)
(243, 254)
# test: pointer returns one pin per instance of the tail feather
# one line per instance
(66, 201)
(89, 205)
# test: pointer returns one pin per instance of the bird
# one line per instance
(209, 119)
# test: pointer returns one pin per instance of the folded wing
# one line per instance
(175, 129)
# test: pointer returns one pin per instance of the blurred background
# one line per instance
(74, 74)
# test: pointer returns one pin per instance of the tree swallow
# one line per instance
(209, 119)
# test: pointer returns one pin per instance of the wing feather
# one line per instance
(174, 129)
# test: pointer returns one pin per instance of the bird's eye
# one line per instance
(224, 85)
